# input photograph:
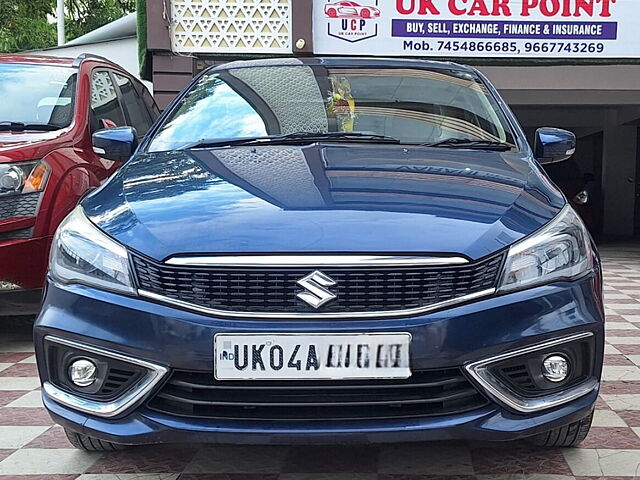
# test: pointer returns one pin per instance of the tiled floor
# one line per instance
(33, 448)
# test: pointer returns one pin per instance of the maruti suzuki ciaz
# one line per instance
(327, 250)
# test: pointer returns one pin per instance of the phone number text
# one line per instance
(504, 47)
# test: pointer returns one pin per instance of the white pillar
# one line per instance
(619, 165)
(60, 18)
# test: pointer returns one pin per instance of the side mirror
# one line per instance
(554, 145)
(117, 144)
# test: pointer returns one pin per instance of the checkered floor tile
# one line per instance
(33, 448)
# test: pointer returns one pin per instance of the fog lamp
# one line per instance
(555, 368)
(82, 372)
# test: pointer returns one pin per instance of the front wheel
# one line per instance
(568, 436)
(366, 13)
(91, 444)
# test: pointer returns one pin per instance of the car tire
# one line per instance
(332, 12)
(366, 13)
(91, 444)
(568, 436)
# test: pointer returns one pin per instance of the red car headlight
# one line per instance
(26, 177)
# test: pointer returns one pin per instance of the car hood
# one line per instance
(18, 146)
(324, 198)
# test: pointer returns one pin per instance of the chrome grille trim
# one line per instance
(315, 261)
(309, 315)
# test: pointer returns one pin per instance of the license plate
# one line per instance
(311, 356)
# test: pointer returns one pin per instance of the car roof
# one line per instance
(347, 62)
(37, 60)
(55, 61)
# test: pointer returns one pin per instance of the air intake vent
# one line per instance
(117, 380)
(18, 206)
(16, 235)
(519, 375)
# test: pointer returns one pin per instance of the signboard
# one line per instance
(478, 28)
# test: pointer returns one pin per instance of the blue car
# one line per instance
(326, 250)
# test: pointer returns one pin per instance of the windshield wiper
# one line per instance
(477, 144)
(7, 126)
(297, 137)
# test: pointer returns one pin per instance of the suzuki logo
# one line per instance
(315, 292)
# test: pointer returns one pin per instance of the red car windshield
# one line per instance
(35, 95)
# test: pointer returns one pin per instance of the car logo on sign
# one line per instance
(350, 10)
(351, 21)
(315, 291)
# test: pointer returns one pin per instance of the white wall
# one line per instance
(124, 52)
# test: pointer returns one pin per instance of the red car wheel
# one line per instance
(366, 13)
(332, 12)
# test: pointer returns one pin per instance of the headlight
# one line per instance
(559, 251)
(81, 253)
(25, 177)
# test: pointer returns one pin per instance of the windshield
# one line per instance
(412, 105)
(37, 94)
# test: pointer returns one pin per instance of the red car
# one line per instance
(50, 107)
(350, 10)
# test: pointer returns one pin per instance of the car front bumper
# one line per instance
(175, 339)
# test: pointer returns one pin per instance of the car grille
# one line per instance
(17, 206)
(426, 393)
(274, 290)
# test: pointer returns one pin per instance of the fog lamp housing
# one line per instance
(88, 374)
(120, 381)
(540, 376)
(556, 368)
(83, 372)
